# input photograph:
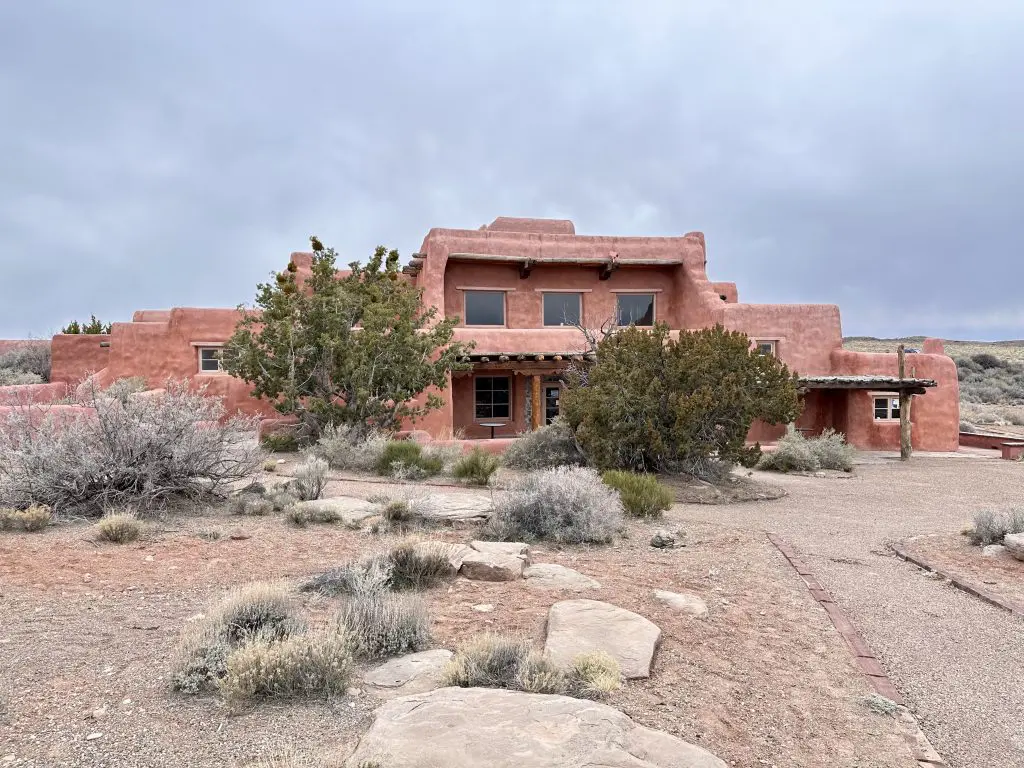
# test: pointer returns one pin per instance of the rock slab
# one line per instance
(992, 550)
(350, 510)
(502, 547)
(579, 626)
(455, 553)
(1014, 543)
(474, 727)
(455, 507)
(412, 673)
(492, 566)
(691, 605)
(554, 576)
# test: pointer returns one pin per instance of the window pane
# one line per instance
(881, 408)
(493, 397)
(561, 308)
(636, 309)
(895, 408)
(485, 308)
(766, 348)
(209, 359)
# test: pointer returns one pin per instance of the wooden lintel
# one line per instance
(520, 357)
(525, 269)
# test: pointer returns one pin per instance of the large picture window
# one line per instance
(635, 309)
(562, 308)
(485, 307)
(493, 397)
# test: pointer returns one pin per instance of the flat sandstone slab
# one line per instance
(412, 673)
(682, 602)
(579, 626)
(501, 547)
(554, 576)
(474, 727)
(492, 566)
(456, 507)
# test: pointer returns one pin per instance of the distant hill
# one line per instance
(1012, 350)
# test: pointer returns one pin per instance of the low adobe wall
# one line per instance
(32, 393)
(75, 356)
(980, 440)
(6, 345)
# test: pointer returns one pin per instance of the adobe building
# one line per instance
(521, 288)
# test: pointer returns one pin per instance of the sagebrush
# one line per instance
(343, 446)
(796, 453)
(568, 505)
(642, 495)
(28, 357)
(992, 527)
(142, 452)
(409, 565)
(386, 624)
(310, 478)
(553, 445)
(119, 527)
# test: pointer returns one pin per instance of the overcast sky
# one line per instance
(871, 154)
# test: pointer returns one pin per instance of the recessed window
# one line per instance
(887, 408)
(635, 309)
(766, 348)
(210, 359)
(485, 307)
(493, 397)
(562, 308)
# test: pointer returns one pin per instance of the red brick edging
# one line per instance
(866, 661)
(972, 589)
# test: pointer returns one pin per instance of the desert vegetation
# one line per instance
(553, 445)
(641, 495)
(26, 363)
(476, 467)
(32, 519)
(992, 527)
(796, 453)
(119, 527)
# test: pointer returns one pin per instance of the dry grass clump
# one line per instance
(568, 505)
(641, 495)
(255, 612)
(302, 516)
(310, 478)
(476, 467)
(501, 661)
(386, 624)
(270, 465)
(411, 565)
(991, 527)
(344, 447)
(119, 527)
(281, 498)
(250, 505)
(31, 520)
(796, 453)
(318, 662)
(400, 512)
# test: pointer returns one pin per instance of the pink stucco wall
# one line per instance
(75, 356)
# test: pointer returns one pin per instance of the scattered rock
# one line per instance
(579, 626)
(483, 608)
(665, 539)
(502, 547)
(554, 576)
(412, 673)
(93, 736)
(148, 558)
(683, 603)
(455, 553)
(238, 536)
(993, 550)
(471, 727)
(353, 691)
(99, 713)
(456, 508)
(492, 566)
(350, 511)
(1014, 544)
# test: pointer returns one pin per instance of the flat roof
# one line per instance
(884, 383)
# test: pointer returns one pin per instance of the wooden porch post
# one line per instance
(537, 406)
(906, 449)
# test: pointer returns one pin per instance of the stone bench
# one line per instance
(1012, 451)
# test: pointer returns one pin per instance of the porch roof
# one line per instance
(525, 357)
(882, 383)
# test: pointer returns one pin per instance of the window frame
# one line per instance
(653, 293)
(503, 292)
(476, 403)
(893, 406)
(217, 348)
(543, 309)
(773, 343)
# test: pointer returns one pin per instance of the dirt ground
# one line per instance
(1000, 574)
(764, 680)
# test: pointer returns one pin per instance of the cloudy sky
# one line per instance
(157, 154)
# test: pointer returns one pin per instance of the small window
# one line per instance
(493, 397)
(766, 348)
(562, 308)
(485, 307)
(210, 359)
(635, 309)
(887, 408)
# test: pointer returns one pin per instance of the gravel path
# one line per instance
(952, 656)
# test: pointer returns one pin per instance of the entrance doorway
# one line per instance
(551, 394)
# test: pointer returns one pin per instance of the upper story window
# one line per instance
(635, 309)
(210, 359)
(562, 308)
(485, 307)
(767, 347)
(887, 407)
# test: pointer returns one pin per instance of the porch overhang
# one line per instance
(523, 363)
(867, 382)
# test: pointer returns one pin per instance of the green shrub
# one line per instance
(641, 495)
(280, 442)
(568, 505)
(386, 625)
(31, 520)
(476, 467)
(406, 460)
(500, 661)
(119, 527)
(553, 445)
(315, 663)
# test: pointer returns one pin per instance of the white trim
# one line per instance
(482, 288)
(888, 396)
(635, 290)
(199, 361)
(756, 344)
(207, 343)
(564, 290)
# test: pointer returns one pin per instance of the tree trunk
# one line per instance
(906, 449)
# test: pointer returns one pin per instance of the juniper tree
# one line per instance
(653, 403)
(355, 349)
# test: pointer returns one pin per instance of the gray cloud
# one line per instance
(866, 154)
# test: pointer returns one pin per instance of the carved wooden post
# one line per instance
(536, 416)
(905, 443)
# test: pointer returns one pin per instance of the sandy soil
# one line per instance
(763, 681)
(1002, 574)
